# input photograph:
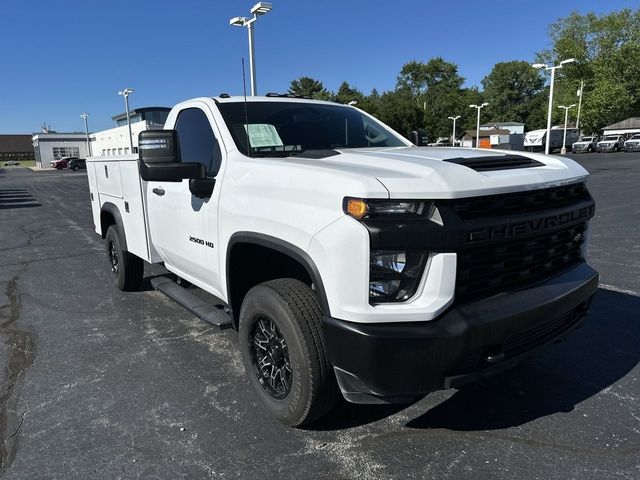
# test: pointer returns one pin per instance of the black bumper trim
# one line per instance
(400, 360)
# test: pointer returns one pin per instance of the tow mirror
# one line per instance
(159, 158)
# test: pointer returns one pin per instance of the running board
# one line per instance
(212, 313)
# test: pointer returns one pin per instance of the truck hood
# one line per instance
(413, 172)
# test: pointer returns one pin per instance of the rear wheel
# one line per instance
(127, 269)
(283, 351)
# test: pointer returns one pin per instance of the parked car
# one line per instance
(611, 143)
(441, 142)
(62, 162)
(76, 164)
(10, 163)
(585, 144)
(633, 144)
(356, 265)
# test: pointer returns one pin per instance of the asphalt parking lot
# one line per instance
(104, 384)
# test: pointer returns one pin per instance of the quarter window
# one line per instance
(197, 141)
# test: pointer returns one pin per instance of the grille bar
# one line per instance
(514, 264)
(519, 202)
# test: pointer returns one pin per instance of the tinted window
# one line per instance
(197, 142)
(287, 128)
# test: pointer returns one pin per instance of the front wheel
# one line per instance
(127, 269)
(283, 351)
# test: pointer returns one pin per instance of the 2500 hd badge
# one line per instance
(206, 243)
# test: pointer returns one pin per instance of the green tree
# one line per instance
(606, 49)
(514, 91)
(309, 87)
(436, 89)
(346, 93)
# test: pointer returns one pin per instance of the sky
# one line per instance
(65, 57)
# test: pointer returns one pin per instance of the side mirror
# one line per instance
(202, 187)
(159, 158)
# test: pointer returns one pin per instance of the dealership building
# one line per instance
(50, 146)
(16, 147)
(115, 141)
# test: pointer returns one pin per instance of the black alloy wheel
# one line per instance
(270, 358)
(114, 259)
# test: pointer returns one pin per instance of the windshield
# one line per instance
(586, 139)
(635, 137)
(288, 128)
(610, 137)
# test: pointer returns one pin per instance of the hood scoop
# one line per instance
(493, 162)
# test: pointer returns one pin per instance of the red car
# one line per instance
(62, 163)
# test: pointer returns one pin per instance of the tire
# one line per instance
(127, 269)
(283, 315)
(76, 168)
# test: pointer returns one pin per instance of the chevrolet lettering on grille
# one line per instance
(518, 229)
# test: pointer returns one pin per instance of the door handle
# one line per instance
(158, 191)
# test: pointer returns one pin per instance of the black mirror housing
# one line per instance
(171, 172)
(159, 158)
(202, 187)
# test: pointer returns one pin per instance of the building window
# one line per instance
(126, 150)
(120, 151)
(59, 152)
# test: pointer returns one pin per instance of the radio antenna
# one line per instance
(246, 114)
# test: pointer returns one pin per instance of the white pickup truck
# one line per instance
(348, 260)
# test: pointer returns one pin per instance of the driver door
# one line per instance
(184, 227)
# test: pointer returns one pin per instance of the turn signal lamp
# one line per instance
(356, 208)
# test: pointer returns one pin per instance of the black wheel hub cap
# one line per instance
(270, 358)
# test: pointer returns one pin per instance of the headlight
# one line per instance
(382, 208)
(394, 276)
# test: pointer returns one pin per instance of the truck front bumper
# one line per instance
(389, 363)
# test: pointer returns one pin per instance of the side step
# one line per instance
(201, 308)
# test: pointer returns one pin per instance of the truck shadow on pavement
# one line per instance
(591, 359)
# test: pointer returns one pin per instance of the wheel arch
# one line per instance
(110, 215)
(236, 290)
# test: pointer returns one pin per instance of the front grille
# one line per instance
(514, 264)
(519, 202)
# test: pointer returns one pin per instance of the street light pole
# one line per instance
(580, 104)
(453, 135)
(86, 131)
(258, 9)
(550, 109)
(566, 118)
(479, 107)
(125, 93)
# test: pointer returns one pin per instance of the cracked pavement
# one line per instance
(103, 384)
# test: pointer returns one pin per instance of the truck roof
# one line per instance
(271, 98)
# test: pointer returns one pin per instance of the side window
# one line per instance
(197, 142)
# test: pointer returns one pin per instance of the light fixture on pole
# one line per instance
(550, 110)
(566, 117)
(453, 135)
(479, 107)
(86, 131)
(259, 9)
(125, 93)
